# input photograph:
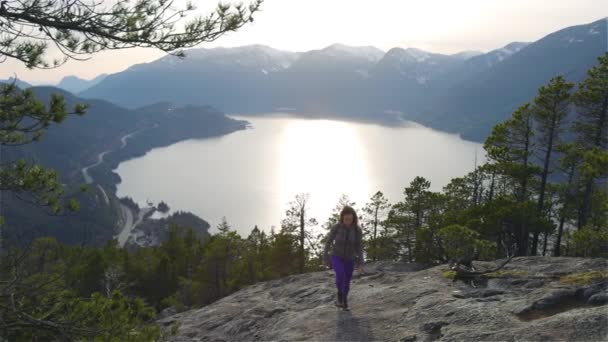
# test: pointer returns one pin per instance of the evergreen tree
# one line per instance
(374, 214)
(417, 200)
(591, 127)
(550, 109)
(510, 147)
(568, 194)
(404, 237)
(81, 29)
(409, 215)
(285, 253)
(223, 227)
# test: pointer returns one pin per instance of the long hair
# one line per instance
(349, 210)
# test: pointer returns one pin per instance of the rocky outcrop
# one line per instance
(530, 299)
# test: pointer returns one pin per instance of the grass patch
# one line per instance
(449, 274)
(584, 278)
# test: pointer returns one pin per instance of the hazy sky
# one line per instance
(445, 26)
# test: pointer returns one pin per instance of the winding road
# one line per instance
(129, 223)
(85, 170)
(124, 234)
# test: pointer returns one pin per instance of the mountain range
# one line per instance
(465, 93)
(75, 84)
(19, 83)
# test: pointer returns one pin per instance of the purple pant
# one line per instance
(344, 272)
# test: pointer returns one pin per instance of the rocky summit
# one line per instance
(530, 299)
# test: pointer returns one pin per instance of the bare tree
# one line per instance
(296, 221)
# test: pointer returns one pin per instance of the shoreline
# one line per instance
(102, 173)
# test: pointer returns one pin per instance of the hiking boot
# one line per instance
(345, 302)
(339, 301)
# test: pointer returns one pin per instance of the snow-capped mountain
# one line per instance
(466, 91)
(338, 57)
(414, 64)
(464, 55)
(262, 58)
(496, 56)
(485, 93)
(370, 53)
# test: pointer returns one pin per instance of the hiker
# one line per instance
(345, 241)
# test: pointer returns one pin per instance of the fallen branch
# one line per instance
(465, 273)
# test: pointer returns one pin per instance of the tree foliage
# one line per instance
(81, 28)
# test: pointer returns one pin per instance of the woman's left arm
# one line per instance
(359, 246)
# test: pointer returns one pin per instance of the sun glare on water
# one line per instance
(324, 158)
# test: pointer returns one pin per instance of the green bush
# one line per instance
(425, 250)
(459, 241)
(589, 243)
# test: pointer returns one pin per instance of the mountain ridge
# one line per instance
(460, 95)
(75, 84)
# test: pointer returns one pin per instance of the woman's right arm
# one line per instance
(330, 238)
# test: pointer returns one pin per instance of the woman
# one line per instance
(344, 239)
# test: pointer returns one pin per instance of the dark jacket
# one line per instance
(345, 242)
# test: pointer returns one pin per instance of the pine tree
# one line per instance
(417, 199)
(468, 191)
(510, 147)
(399, 221)
(410, 215)
(550, 109)
(591, 127)
(569, 162)
(374, 214)
(223, 227)
(284, 254)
